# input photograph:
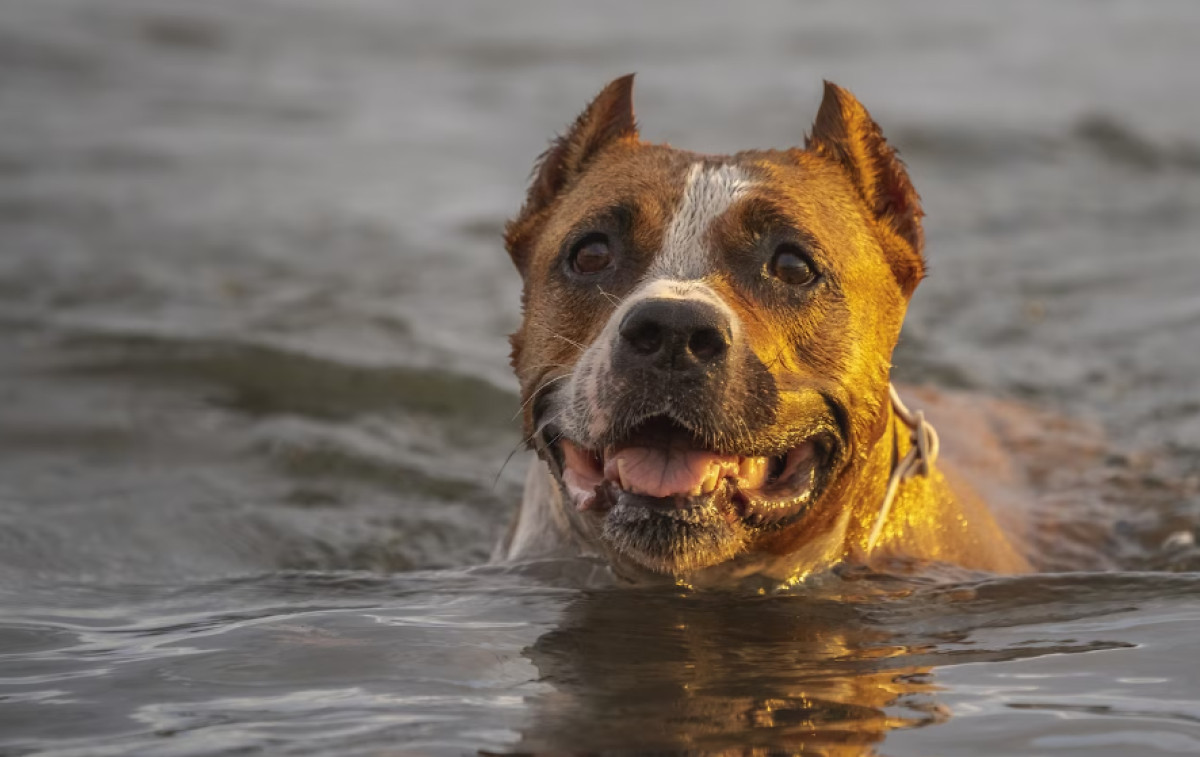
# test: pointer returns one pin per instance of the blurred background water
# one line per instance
(255, 404)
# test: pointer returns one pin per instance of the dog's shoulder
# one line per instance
(539, 529)
(1018, 458)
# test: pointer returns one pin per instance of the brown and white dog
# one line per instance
(705, 358)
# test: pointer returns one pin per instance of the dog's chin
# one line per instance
(707, 530)
(669, 505)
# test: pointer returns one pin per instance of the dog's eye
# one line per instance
(591, 255)
(791, 266)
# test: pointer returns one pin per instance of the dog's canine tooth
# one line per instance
(752, 472)
(621, 473)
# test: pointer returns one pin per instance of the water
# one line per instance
(255, 397)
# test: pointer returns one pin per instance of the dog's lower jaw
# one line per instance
(722, 551)
(706, 544)
(549, 527)
(676, 542)
(680, 534)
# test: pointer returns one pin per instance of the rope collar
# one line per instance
(922, 454)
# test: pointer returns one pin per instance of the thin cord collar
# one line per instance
(919, 460)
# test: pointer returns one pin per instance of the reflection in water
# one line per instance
(657, 671)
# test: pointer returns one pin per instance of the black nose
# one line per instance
(674, 335)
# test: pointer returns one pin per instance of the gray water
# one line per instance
(255, 407)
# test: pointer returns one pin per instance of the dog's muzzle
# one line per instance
(669, 434)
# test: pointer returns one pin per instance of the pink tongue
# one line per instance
(665, 471)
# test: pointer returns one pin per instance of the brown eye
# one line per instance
(591, 255)
(791, 266)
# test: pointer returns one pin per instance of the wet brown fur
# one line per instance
(849, 193)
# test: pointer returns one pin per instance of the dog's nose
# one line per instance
(678, 335)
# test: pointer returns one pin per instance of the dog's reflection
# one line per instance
(655, 672)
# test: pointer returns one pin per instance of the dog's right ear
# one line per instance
(607, 119)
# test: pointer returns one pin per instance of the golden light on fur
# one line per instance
(688, 343)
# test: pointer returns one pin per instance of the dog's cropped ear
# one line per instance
(845, 133)
(607, 119)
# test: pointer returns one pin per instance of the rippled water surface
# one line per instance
(255, 406)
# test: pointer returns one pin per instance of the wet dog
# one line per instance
(705, 357)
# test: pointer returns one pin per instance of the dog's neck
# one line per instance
(872, 505)
(917, 460)
(905, 506)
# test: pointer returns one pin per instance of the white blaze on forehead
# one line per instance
(676, 274)
(711, 190)
(674, 289)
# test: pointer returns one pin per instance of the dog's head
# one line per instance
(706, 343)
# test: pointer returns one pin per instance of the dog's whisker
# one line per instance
(541, 388)
(522, 443)
(533, 368)
(611, 297)
(557, 335)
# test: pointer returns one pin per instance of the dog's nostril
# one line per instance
(707, 344)
(646, 338)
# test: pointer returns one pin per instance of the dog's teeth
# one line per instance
(710, 479)
(621, 473)
(752, 472)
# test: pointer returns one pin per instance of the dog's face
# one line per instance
(706, 341)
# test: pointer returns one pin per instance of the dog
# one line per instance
(705, 358)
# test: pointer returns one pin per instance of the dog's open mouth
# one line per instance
(662, 466)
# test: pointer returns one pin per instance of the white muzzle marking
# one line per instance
(677, 273)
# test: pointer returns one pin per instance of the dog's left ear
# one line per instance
(607, 119)
(845, 134)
